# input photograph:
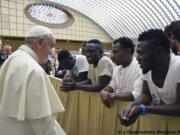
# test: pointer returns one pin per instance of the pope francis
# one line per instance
(27, 97)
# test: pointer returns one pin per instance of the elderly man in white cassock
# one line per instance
(27, 97)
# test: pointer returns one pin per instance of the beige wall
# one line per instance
(61, 44)
(14, 23)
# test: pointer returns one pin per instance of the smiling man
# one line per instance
(161, 80)
(126, 82)
(100, 69)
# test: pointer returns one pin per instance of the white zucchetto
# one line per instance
(38, 31)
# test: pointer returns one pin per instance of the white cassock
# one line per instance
(27, 97)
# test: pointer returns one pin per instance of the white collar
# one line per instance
(29, 51)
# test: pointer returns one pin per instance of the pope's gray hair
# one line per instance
(31, 40)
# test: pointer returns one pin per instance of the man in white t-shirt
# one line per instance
(161, 84)
(77, 65)
(126, 82)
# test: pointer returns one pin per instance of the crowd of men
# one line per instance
(151, 80)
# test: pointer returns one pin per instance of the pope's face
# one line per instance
(47, 44)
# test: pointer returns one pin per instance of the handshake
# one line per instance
(68, 83)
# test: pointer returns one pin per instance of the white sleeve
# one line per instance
(82, 64)
(113, 82)
(46, 126)
(176, 68)
(137, 87)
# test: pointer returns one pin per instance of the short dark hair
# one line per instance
(157, 37)
(125, 42)
(64, 54)
(98, 43)
(174, 26)
(168, 31)
(95, 41)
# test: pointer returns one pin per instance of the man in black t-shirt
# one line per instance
(2, 58)
(5, 54)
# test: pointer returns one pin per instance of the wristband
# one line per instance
(112, 95)
(143, 109)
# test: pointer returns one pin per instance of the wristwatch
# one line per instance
(112, 95)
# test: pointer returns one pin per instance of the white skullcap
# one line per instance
(38, 31)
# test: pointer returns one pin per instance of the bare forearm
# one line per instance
(142, 99)
(170, 110)
(125, 96)
(90, 88)
(84, 82)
